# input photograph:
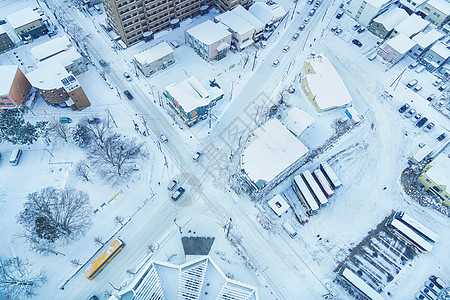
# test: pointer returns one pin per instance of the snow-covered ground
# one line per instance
(366, 159)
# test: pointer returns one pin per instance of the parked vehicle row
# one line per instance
(431, 290)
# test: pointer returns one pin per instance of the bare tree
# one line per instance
(58, 129)
(75, 262)
(82, 170)
(245, 59)
(99, 240)
(340, 125)
(119, 220)
(100, 132)
(82, 135)
(115, 157)
(18, 280)
(57, 214)
(37, 244)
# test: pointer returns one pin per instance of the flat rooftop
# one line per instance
(271, 149)
(48, 76)
(154, 53)
(22, 17)
(236, 23)
(7, 74)
(50, 48)
(209, 32)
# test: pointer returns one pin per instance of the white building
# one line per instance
(411, 26)
(210, 40)
(424, 40)
(323, 86)
(267, 14)
(278, 205)
(254, 21)
(156, 58)
(436, 11)
(297, 121)
(27, 23)
(271, 149)
(413, 6)
(59, 50)
(396, 48)
(198, 279)
(365, 11)
(242, 31)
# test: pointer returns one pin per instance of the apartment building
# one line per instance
(14, 87)
(27, 23)
(364, 12)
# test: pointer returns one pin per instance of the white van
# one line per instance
(289, 229)
(420, 68)
(15, 157)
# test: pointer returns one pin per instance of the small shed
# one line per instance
(278, 205)
(353, 115)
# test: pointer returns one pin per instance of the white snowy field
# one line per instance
(366, 160)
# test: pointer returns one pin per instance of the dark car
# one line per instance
(128, 94)
(356, 27)
(94, 120)
(361, 30)
(178, 193)
(441, 137)
(356, 42)
(339, 15)
(93, 298)
(421, 122)
(403, 108)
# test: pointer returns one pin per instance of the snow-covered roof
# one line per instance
(209, 32)
(2, 30)
(377, 3)
(425, 39)
(440, 170)
(48, 76)
(440, 5)
(50, 48)
(392, 18)
(401, 43)
(413, 5)
(246, 15)
(267, 13)
(198, 279)
(66, 58)
(297, 120)
(191, 94)
(278, 205)
(7, 74)
(412, 25)
(441, 49)
(22, 17)
(154, 53)
(422, 153)
(271, 149)
(236, 23)
(335, 94)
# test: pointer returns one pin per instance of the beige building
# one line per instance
(57, 87)
(154, 59)
(435, 177)
(27, 23)
(241, 31)
(14, 87)
(396, 48)
(436, 11)
(210, 40)
(323, 86)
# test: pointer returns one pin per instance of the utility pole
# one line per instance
(254, 61)
(294, 9)
(397, 80)
(179, 227)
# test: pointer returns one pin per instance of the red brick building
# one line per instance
(14, 87)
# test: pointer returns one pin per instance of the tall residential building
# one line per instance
(131, 18)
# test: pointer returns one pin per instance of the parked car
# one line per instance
(413, 65)
(93, 298)
(317, 4)
(442, 87)
(286, 49)
(430, 126)
(403, 108)
(361, 30)
(52, 33)
(431, 97)
(196, 156)
(310, 2)
(416, 117)
(432, 287)
(420, 69)
(442, 137)
(295, 37)
(410, 113)
(333, 29)
(65, 120)
(356, 27)
(428, 293)
(102, 63)
(178, 193)
(163, 138)
(420, 296)
(306, 20)
(338, 31)
(339, 15)
(128, 94)
(421, 122)
(127, 76)
(94, 120)
(411, 83)
(417, 88)
(312, 12)
(172, 184)
(356, 42)
(276, 63)
(421, 145)
(301, 27)
(437, 82)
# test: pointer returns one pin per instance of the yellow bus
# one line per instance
(97, 265)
